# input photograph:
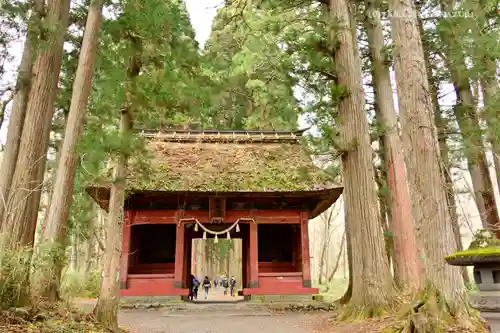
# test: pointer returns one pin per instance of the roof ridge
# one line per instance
(223, 136)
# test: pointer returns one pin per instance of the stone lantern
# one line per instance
(486, 263)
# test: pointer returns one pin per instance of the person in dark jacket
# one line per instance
(232, 284)
(206, 286)
(225, 284)
(196, 285)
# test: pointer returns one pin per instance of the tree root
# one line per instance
(431, 314)
(353, 314)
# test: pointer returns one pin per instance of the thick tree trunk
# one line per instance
(18, 109)
(430, 210)
(441, 125)
(20, 220)
(372, 280)
(106, 310)
(406, 270)
(56, 225)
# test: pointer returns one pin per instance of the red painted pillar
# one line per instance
(304, 241)
(253, 280)
(179, 255)
(186, 269)
(126, 234)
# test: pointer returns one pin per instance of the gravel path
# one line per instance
(151, 321)
(206, 317)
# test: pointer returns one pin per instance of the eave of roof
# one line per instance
(325, 197)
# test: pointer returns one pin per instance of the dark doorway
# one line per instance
(278, 246)
(153, 249)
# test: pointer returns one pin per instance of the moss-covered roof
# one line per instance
(228, 166)
(474, 256)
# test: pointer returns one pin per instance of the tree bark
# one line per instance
(19, 219)
(372, 280)
(430, 210)
(106, 310)
(406, 270)
(441, 125)
(18, 109)
(56, 225)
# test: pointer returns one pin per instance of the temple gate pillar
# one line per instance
(126, 235)
(179, 256)
(304, 241)
(253, 256)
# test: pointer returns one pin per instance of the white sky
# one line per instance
(201, 13)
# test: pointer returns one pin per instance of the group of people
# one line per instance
(206, 284)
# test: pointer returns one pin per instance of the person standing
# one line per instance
(196, 285)
(225, 284)
(206, 286)
(232, 284)
(193, 288)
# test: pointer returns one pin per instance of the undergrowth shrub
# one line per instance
(76, 284)
(14, 270)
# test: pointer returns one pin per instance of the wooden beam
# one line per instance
(253, 280)
(179, 256)
(173, 216)
(304, 241)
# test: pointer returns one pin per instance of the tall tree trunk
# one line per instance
(18, 109)
(372, 280)
(384, 213)
(468, 120)
(430, 210)
(406, 270)
(56, 225)
(19, 219)
(485, 61)
(441, 125)
(106, 310)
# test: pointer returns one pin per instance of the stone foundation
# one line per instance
(150, 299)
(279, 298)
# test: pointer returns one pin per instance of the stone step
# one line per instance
(234, 308)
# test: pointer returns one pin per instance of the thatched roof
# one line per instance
(228, 162)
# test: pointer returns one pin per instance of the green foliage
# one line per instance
(76, 284)
(15, 265)
(252, 85)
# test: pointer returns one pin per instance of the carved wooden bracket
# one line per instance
(217, 207)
